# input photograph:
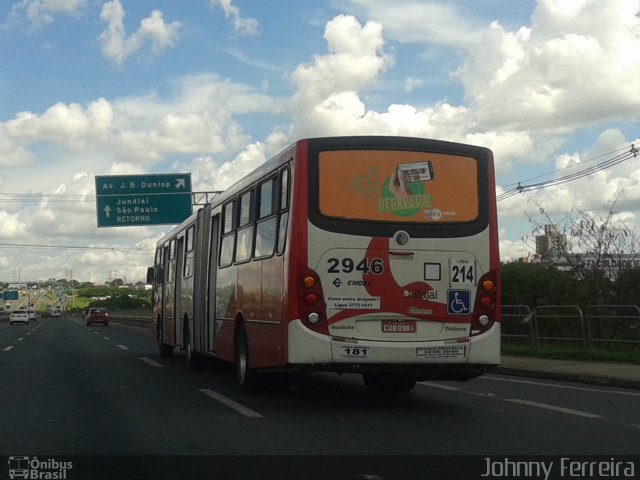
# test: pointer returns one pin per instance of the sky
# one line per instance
(216, 87)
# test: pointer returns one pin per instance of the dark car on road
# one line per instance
(98, 315)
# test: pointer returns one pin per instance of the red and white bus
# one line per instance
(369, 254)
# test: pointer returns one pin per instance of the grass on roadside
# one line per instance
(620, 354)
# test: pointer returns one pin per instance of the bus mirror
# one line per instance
(150, 275)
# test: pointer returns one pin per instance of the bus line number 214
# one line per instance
(462, 274)
(348, 265)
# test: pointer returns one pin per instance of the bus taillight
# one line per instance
(484, 313)
(311, 306)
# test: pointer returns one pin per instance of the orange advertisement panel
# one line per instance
(398, 186)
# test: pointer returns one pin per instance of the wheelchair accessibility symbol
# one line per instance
(458, 302)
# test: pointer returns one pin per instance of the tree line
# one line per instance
(585, 258)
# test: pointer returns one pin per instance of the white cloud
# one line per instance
(422, 22)
(12, 225)
(412, 83)
(513, 250)
(244, 26)
(12, 153)
(564, 72)
(43, 12)
(197, 119)
(153, 30)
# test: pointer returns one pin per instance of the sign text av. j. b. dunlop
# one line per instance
(134, 200)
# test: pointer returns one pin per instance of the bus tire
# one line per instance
(247, 378)
(191, 356)
(165, 350)
(389, 382)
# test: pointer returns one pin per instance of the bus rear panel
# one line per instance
(398, 269)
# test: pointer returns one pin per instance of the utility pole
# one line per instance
(69, 275)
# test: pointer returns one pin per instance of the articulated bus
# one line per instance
(369, 254)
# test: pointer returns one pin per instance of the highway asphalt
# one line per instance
(610, 374)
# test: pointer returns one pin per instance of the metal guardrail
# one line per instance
(560, 322)
(613, 324)
(517, 322)
(135, 321)
(602, 324)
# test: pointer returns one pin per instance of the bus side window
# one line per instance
(266, 198)
(226, 250)
(228, 235)
(283, 217)
(188, 265)
(158, 271)
(159, 275)
(282, 231)
(244, 208)
(284, 189)
(266, 226)
(188, 259)
(244, 235)
(171, 271)
(171, 263)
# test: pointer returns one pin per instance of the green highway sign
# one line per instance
(10, 295)
(135, 200)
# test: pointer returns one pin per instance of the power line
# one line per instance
(631, 152)
(568, 167)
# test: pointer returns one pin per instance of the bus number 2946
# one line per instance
(348, 265)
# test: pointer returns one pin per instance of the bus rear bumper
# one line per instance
(312, 350)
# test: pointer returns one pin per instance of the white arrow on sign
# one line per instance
(107, 211)
(181, 183)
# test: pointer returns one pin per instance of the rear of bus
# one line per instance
(395, 264)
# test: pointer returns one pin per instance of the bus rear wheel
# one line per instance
(247, 378)
(191, 356)
(389, 382)
(165, 350)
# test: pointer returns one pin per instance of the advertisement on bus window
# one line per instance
(398, 186)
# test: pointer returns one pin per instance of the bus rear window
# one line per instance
(398, 186)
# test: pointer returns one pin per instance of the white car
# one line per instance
(32, 315)
(18, 316)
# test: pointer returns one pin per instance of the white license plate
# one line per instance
(442, 351)
(354, 352)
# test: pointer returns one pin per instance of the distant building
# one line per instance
(551, 244)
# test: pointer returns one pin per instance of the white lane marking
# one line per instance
(567, 387)
(122, 347)
(241, 409)
(555, 408)
(20, 339)
(148, 361)
(6, 349)
(106, 338)
(437, 385)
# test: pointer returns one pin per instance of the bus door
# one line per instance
(213, 271)
(200, 280)
(168, 297)
(177, 301)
